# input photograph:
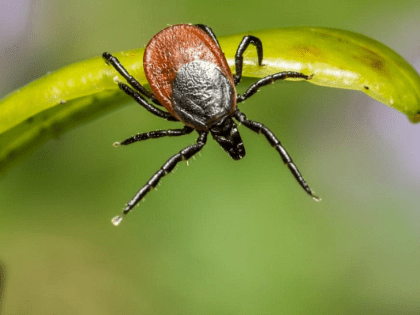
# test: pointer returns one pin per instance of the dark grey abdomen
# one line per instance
(201, 93)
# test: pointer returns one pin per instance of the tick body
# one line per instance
(190, 77)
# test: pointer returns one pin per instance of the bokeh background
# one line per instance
(218, 237)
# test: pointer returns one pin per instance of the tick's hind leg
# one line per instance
(270, 79)
(155, 134)
(140, 99)
(272, 139)
(183, 155)
(113, 61)
(209, 32)
(239, 59)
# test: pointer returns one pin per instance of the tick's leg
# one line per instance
(209, 32)
(113, 61)
(270, 79)
(272, 139)
(249, 39)
(183, 155)
(139, 99)
(155, 134)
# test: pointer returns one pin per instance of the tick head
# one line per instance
(226, 133)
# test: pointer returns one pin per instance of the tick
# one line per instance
(190, 77)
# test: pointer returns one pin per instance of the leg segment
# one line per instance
(270, 79)
(272, 139)
(113, 61)
(249, 39)
(156, 134)
(139, 99)
(183, 155)
(209, 31)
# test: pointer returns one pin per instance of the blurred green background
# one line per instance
(218, 237)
